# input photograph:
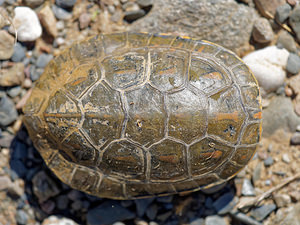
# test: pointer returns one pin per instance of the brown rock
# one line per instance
(262, 31)
(17, 188)
(48, 20)
(268, 7)
(282, 200)
(12, 76)
(5, 182)
(6, 45)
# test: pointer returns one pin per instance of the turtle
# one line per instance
(135, 115)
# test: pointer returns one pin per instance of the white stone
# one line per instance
(268, 66)
(27, 24)
(54, 220)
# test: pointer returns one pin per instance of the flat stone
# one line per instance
(262, 31)
(257, 173)
(294, 21)
(84, 20)
(282, 200)
(248, 189)
(295, 139)
(6, 140)
(33, 3)
(21, 217)
(16, 189)
(12, 76)
(286, 40)
(293, 64)
(14, 91)
(61, 13)
(245, 219)
(215, 220)
(48, 20)
(225, 203)
(279, 115)
(142, 205)
(268, 65)
(144, 3)
(268, 161)
(43, 60)
(283, 12)
(19, 53)
(6, 45)
(263, 211)
(43, 186)
(8, 112)
(107, 213)
(201, 19)
(131, 16)
(268, 7)
(286, 158)
(27, 24)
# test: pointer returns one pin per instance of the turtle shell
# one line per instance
(132, 115)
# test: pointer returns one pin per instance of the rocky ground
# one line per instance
(265, 32)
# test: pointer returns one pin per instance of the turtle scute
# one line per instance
(132, 115)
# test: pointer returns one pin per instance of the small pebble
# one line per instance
(65, 3)
(12, 76)
(263, 211)
(58, 220)
(27, 24)
(14, 91)
(268, 182)
(19, 53)
(6, 45)
(144, 3)
(248, 189)
(282, 200)
(62, 202)
(27, 83)
(295, 139)
(48, 20)
(225, 203)
(35, 73)
(5, 182)
(286, 40)
(298, 128)
(8, 112)
(60, 25)
(268, 161)
(293, 64)
(283, 12)
(48, 206)
(286, 158)
(61, 13)
(84, 20)
(33, 3)
(131, 16)
(244, 219)
(43, 60)
(262, 31)
(294, 20)
(21, 217)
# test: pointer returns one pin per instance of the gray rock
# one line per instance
(65, 3)
(144, 3)
(198, 221)
(263, 211)
(108, 213)
(286, 40)
(14, 91)
(206, 19)
(244, 218)
(279, 115)
(35, 73)
(257, 173)
(248, 189)
(282, 200)
(21, 217)
(8, 112)
(43, 186)
(19, 53)
(294, 21)
(268, 161)
(61, 13)
(286, 158)
(58, 220)
(5, 140)
(5, 182)
(6, 45)
(283, 12)
(225, 203)
(62, 202)
(262, 31)
(142, 205)
(295, 139)
(293, 64)
(131, 16)
(292, 217)
(43, 60)
(215, 220)
(152, 211)
(48, 206)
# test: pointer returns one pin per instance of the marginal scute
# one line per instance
(184, 107)
(228, 58)
(138, 190)
(126, 70)
(206, 76)
(111, 188)
(146, 121)
(226, 115)
(138, 40)
(241, 73)
(103, 114)
(229, 169)
(168, 161)
(242, 155)
(35, 101)
(251, 134)
(161, 40)
(124, 159)
(183, 43)
(113, 42)
(168, 69)
(206, 155)
(208, 180)
(206, 48)
(251, 97)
